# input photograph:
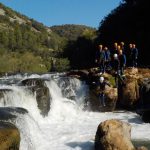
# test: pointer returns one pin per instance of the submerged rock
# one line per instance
(113, 135)
(4, 91)
(9, 136)
(10, 113)
(38, 87)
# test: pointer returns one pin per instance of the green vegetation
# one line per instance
(27, 45)
(79, 44)
(70, 32)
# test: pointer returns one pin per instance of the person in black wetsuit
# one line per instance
(134, 55)
(100, 59)
(122, 62)
(108, 58)
(102, 86)
(115, 67)
(53, 65)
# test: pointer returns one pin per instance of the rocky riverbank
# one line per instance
(132, 92)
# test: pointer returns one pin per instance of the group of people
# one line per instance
(115, 59)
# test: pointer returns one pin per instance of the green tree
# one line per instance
(12, 40)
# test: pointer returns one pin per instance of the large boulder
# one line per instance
(9, 136)
(113, 135)
(144, 102)
(128, 93)
(38, 87)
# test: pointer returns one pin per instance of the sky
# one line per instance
(59, 12)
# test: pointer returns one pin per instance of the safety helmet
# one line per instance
(122, 43)
(101, 79)
(115, 56)
(100, 46)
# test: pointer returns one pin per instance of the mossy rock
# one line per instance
(9, 136)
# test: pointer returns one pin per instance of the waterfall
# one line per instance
(68, 126)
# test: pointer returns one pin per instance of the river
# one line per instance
(68, 126)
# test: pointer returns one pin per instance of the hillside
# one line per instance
(79, 44)
(70, 31)
(27, 45)
(128, 23)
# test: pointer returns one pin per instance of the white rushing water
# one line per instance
(67, 126)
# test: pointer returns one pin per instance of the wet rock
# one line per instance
(4, 91)
(9, 136)
(113, 135)
(68, 86)
(144, 102)
(10, 113)
(128, 93)
(38, 87)
(142, 148)
(80, 74)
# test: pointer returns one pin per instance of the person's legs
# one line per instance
(100, 67)
(116, 79)
(102, 99)
(136, 62)
(121, 70)
(103, 66)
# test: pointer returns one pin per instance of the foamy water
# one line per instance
(67, 126)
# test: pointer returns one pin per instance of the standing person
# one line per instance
(100, 59)
(122, 62)
(122, 46)
(53, 65)
(102, 86)
(128, 55)
(115, 66)
(108, 57)
(134, 55)
(118, 49)
(115, 49)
